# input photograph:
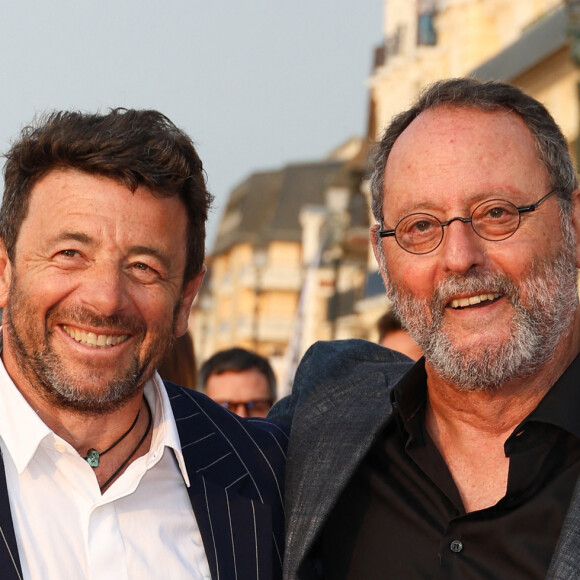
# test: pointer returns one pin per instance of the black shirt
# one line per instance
(401, 515)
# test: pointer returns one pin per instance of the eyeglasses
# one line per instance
(493, 220)
(255, 408)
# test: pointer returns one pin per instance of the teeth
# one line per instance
(92, 339)
(463, 302)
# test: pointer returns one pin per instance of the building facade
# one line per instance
(275, 265)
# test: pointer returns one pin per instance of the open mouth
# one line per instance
(92, 339)
(473, 300)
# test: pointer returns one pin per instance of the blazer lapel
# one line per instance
(565, 563)
(9, 558)
(222, 508)
(327, 444)
(231, 526)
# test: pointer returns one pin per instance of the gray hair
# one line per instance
(486, 96)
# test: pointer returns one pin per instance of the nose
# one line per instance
(104, 290)
(462, 248)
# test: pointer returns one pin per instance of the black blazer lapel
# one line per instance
(9, 559)
(327, 444)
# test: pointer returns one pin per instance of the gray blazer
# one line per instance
(339, 403)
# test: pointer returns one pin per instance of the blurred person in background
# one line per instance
(240, 380)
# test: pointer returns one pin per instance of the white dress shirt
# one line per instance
(142, 527)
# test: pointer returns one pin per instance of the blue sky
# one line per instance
(256, 83)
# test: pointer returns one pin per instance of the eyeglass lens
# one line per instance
(253, 408)
(495, 219)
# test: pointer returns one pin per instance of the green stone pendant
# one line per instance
(92, 457)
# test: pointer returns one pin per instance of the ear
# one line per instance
(5, 275)
(189, 293)
(375, 241)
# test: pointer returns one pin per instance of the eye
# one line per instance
(418, 225)
(422, 226)
(69, 253)
(141, 266)
(495, 212)
(143, 272)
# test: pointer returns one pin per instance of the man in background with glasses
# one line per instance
(465, 464)
(240, 380)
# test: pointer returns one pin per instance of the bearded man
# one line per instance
(464, 465)
(107, 471)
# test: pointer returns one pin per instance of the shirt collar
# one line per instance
(561, 404)
(408, 398)
(409, 394)
(165, 432)
(22, 444)
(15, 412)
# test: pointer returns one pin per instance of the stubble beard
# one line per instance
(47, 372)
(544, 304)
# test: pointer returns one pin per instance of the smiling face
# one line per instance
(483, 312)
(95, 295)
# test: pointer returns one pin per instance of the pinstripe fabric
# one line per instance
(236, 470)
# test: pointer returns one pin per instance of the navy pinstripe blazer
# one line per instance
(236, 471)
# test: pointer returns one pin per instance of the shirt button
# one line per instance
(60, 446)
(456, 546)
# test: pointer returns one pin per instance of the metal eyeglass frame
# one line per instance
(522, 209)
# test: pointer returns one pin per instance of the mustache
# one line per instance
(82, 316)
(475, 283)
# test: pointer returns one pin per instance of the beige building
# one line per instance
(275, 266)
(519, 41)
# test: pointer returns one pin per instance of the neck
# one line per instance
(96, 431)
(470, 428)
(501, 409)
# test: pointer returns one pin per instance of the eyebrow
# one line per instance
(74, 236)
(425, 206)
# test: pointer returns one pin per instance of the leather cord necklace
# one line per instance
(120, 468)
(93, 456)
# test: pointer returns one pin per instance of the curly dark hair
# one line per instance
(134, 147)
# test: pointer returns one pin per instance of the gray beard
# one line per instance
(544, 305)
